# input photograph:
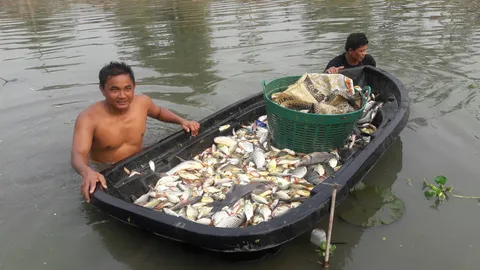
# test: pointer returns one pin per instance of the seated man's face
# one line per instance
(359, 53)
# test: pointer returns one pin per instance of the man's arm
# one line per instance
(82, 141)
(333, 66)
(163, 114)
(166, 115)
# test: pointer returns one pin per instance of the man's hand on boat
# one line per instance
(334, 70)
(89, 182)
(191, 126)
(112, 129)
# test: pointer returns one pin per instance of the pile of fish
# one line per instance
(241, 180)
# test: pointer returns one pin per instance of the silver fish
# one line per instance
(172, 198)
(170, 212)
(186, 165)
(315, 158)
(257, 219)
(300, 172)
(319, 169)
(142, 199)
(280, 210)
(187, 193)
(192, 213)
(247, 146)
(232, 221)
(224, 140)
(219, 216)
(259, 199)
(264, 211)
(283, 195)
(167, 179)
(368, 116)
(258, 158)
(248, 208)
(152, 165)
(204, 211)
(153, 203)
(204, 221)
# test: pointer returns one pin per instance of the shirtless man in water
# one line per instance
(112, 129)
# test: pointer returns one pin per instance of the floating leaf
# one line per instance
(429, 194)
(441, 180)
(371, 206)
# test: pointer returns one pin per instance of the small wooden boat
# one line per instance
(117, 199)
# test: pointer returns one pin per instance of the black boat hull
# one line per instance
(117, 203)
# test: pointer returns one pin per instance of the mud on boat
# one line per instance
(117, 201)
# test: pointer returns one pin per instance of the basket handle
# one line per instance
(264, 85)
(367, 89)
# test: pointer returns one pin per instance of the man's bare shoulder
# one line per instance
(91, 113)
(143, 99)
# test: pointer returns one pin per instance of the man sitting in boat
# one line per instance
(355, 55)
(112, 129)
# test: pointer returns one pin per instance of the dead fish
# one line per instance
(299, 172)
(172, 198)
(319, 169)
(204, 211)
(167, 179)
(368, 116)
(224, 140)
(151, 204)
(280, 210)
(142, 199)
(170, 212)
(264, 211)
(152, 165)
(315, 158)
(204, 221)
(258, 158)
(224, 127)
(315, 178)
(271, 165)
(248, 208)
(258, 198)
(283, 195)
(192, 213)
(206, 199)
(182, 204)
(231, 221)
(219, 216)
(186, 165)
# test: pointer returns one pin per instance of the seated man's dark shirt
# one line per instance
(341, 60)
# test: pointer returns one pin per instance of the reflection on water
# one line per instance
(195, 57)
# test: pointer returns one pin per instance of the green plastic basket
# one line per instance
(305, 132)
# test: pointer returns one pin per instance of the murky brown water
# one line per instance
(195, 57)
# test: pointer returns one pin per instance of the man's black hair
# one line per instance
(114, 69)
(355, 41)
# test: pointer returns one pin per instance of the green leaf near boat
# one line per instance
(441, 180)
(372, 206)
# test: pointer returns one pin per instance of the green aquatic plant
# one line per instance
(441, 192)
(474, 85)
(323, 249)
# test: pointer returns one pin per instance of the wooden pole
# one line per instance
(330, 225)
